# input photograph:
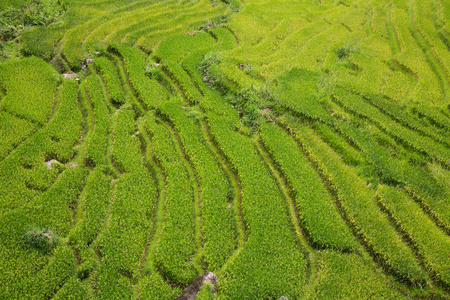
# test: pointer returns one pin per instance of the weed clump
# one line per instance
(13, 21)
(43, 239)
(344, 52)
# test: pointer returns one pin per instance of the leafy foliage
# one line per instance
(41, 238)
(13, 21)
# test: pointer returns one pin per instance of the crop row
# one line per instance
(148, 37)
(91, 208)
(341, 143)
(23, 173)
(356, 279)
(153, 285)
(13, 130)
(122, 20)
(279, 265)
(127, 88)
(30, 86)
(32, 273)
(110, 75)
(298, 92)
(219, 234)
(359, 106)
(432, 244)
(96, 148)
(147, 90)
(318, 214)
(422, 27)
(358, 205)
(428, 89)
(177, 245)
(125, 136)
(408, 120)
(126, 232)
(394, 165)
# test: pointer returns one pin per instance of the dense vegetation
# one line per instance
(293, 148)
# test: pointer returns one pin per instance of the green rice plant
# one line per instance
(315, 51)
(266, 221)
(312, 197)
(358, 205)
(375, 45)
(407, 119)
(42, 41)
(152, 284)
(30, 86)
(434, 115)
(399, 83)
(441, 176)
(420, 143)
(431, 243)
(423, 27)
(25, 263)
(72, 43)
(154, 287)
(96, 149)
(110, 75)
(340, 144)
(111, 283)
(251, 28)
(380, 23)
(348, 276)
(269, 44)
(123, 241)
(149, 37)
(24, 172)
(92, 209)
(224, 38)
(130, 97)
(189, 90)
(298, 91)
(218, 228)
(13, 131)
(290, 46)
(421, 39)
(147, 90)
(177, 245)
(130, 23)
(72, 289)
(47, 281)
(64, 130)
(428, 89)
(125, 136)
(123, 17)
(172, 50)
(190, 64)
(175, 47)
(394, 165)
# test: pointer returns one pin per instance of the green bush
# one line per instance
(41, 238)
(14, 20)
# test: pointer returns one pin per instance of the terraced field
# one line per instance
(293, 148)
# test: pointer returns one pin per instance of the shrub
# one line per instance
(343, 52)
(33, 13)
(39, 238)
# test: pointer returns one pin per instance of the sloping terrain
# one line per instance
(293, 148)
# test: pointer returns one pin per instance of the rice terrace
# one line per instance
(233, 149)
